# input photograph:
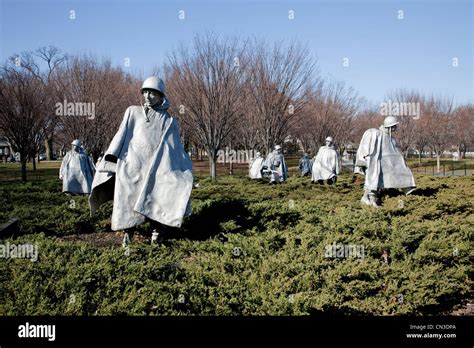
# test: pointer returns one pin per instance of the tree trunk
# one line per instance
(48, 145)
(34, 162)
(438, 155)
(461, 153)
(23, 166)
(419, 156)
(212, 163)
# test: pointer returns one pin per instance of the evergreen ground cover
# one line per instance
(248, 249)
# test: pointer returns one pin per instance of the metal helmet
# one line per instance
(330, 139)
(155, 83)
(76, 142)
(277, 147)
(390, 121)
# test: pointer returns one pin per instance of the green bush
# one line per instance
(249, 248)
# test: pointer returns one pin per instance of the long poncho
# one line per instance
(153, 176)
(77, 172)
(276, 163)
(383, 161)
(255, 168)
(326, 164)
(305, 166)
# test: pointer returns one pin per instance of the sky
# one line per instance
(370, 45)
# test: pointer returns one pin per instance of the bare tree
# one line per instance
(53, 59)
(206, 82)
(247, 134)
(420, 135)
(103, 89)
(368, 117)
(302, 130)
(22, 111)
(279, 80)
(438, 112)
(463, 128)
(329, 112)
(405, 128)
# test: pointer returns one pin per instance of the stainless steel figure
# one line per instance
(381, 160)
(255, 166)
(276, 165)
(305, 165)
(145, 170)
(77, 170)
(326, 164)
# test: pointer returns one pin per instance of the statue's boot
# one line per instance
(373, 200)
(365, 199)
(126, 239)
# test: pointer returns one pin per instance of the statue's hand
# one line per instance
(360, 170)
(107, 167)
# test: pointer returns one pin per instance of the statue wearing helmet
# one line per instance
(305, 165)
(76, 143)
(380, 159)
(154, 83)
(326, 164)
(255, 166)
(77, 170)
(145, 170)
(276, 166)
